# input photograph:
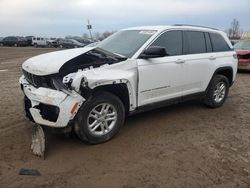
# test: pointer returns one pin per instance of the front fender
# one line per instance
(96, 78)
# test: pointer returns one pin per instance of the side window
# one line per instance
(195, 42)
(208, 43)
(172, 41)
(218, 43)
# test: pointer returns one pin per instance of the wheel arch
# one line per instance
(225, 71)
(120, 88)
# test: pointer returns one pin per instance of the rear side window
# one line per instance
(195, 42)
(218, 43)
(172, 41)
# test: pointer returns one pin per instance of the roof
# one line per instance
(166, 27)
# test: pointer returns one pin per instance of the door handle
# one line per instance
(179, 61)
(212, 58)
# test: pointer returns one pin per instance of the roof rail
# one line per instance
(195, 26)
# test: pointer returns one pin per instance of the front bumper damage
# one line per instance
(50, 107)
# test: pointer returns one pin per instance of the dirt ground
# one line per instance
(186, 145)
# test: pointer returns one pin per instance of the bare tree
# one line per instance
(234, 31)
(107, 34)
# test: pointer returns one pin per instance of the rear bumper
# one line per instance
(49, 107)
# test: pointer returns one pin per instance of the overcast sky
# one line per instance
(69, 17)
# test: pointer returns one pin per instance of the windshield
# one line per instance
(126, 42)
(242, 45)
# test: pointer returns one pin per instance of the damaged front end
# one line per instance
(52, 100)
(50, 107)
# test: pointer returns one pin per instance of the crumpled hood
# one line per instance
(50, 63)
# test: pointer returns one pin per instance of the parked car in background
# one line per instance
(14, 41)
(68, 43)
(92, 44)
(53, 43)
(50, 42)
(1, 38)
(242, 49)
(84, 41)
(39, 41)
(77, 44)
(29, 40)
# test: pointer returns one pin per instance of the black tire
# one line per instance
(81, 125)
(210, 100)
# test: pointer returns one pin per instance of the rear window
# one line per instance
(218, 43)
(195, 42)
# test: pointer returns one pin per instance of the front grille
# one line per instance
(38, 81)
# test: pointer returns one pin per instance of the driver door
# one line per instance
(162, 78)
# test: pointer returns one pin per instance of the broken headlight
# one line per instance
(58, 85)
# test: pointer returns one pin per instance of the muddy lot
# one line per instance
(186, 145)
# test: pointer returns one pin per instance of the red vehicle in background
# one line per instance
(242, 49)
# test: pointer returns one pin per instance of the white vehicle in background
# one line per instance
(39, 41)
(91, 90)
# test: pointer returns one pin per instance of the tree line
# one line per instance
(235, 32)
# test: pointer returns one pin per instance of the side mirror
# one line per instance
(153, 52)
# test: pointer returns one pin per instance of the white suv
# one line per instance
(39, 41)
(93, 89)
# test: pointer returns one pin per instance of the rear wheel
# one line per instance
(217, 91)
(100, 118)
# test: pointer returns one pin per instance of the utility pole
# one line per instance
(89, 27)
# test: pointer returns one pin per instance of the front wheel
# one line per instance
(100, 118)
(217, 91)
